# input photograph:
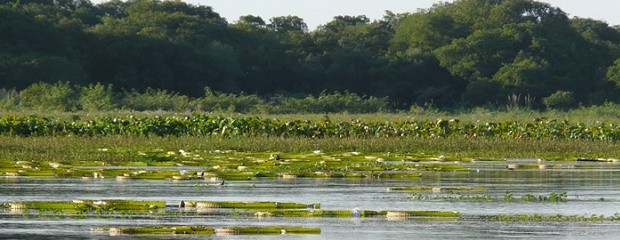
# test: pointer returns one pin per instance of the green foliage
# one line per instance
(97, 97)
(560, 100)
(222, 102)
(481, 92)
(613, 73)
(525, 75)
(462, 53)
(167, 230)
(154, 100)
(330, 103)
(91, 206)
(49, 97)
(288, 23)
(9, 99)
(205, 125)
(525, 46)
(251, 205)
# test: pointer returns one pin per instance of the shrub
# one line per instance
(96, 97)
(613, 73)
(560, 100)
(222, 102)
(329, 103)
(49, 97)
(9, 99)
(152, 100)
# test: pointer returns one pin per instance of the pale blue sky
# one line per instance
(318, 12)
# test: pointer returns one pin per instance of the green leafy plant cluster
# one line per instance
(87, 206)
(64, 97)
(206, 125)
(231, 166)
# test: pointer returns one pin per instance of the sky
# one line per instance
(319, 12)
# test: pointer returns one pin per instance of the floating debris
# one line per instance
(608, 160)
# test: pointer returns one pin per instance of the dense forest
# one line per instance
(461, 54)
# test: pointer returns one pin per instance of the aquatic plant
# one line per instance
(253, 205)
(88, 206)
(271, 230)
(414, 214)
(163, 230)
(206, 125)
(553, 197)
(551, 218)
(362, 213)
(437, 189)
(208, 230)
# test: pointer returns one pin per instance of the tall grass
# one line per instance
(62, 97)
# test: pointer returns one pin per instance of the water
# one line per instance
(592, 188)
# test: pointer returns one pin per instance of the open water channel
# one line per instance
(591, 188)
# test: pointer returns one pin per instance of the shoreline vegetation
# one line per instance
(595, 123)
(584, 133)
(64, 99)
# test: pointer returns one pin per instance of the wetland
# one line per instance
(57, 186)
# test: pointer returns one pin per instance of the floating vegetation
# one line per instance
(358, 213)
(218, 165)
(275, 230)
(443, 167)
(207, 230)
(232, 165)
(418, 214)
(392, 175)
(551, 218)
(248, 205)
(553, 197)
(311, 213)
(257, 209)
(160, 230)
(437, 189)
(86, 206)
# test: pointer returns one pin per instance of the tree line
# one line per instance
(461, 54)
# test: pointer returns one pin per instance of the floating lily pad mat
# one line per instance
(207, 230)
